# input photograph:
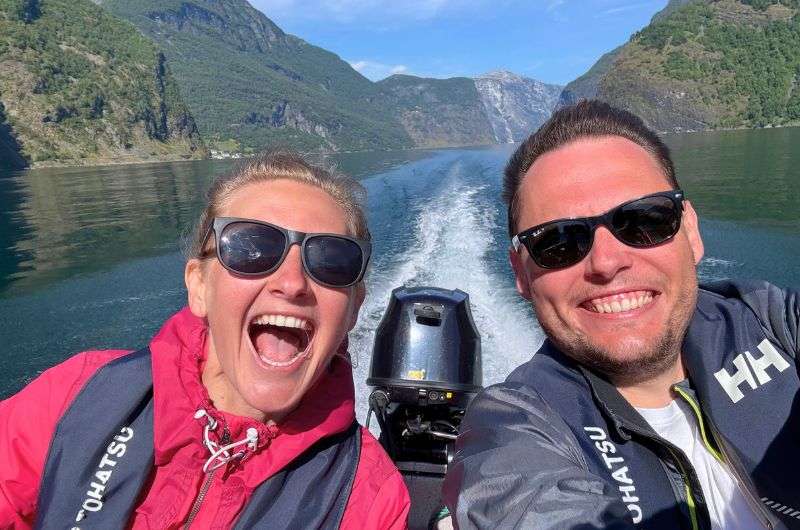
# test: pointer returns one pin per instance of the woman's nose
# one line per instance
(290, 279)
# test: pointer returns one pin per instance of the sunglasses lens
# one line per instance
(333, 260)
(560, 244)
(647, 222)
(250, 248)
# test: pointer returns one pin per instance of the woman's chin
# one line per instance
(276, 399)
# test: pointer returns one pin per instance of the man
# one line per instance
(652, 403)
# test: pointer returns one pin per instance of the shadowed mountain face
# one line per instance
(10, 157)
(705, 64)
(250, 84)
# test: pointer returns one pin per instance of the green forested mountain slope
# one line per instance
(250, 83)
(712, 64)
(78, 84)
(438, 112)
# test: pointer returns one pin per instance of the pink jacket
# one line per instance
(379, 499)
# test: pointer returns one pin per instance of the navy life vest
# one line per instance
(101, 455)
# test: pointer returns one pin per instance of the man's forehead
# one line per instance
(586, 177)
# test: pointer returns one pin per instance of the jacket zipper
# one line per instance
(699, 416)
(689, 497)
(691, 503)
(755, 504)
(198, 501)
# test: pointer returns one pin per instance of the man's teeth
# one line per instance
(622, 303)
(283, 321)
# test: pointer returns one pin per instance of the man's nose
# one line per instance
(607, 257)
(289, 280)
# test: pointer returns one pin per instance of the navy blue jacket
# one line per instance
(556, 446)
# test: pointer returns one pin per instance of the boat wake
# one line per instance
(454, 245)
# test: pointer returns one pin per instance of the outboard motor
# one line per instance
(426, 367)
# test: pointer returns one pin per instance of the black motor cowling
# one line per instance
(426, 367)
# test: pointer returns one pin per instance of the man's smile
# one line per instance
(619, 302)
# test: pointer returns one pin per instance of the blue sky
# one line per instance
(551, 40)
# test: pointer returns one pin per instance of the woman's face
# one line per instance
(271, 337)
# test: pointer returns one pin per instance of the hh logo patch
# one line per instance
(750, 370)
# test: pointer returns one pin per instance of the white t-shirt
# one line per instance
(727, 505)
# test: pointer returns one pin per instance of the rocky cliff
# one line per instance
(79, 85)
(515, 105)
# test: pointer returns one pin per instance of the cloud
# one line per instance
(553, 5)
(376, 71)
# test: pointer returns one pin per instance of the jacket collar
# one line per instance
(621, 414)
(179, 352)
(622, 417)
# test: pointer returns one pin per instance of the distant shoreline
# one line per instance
(76, 163)
(69, 163)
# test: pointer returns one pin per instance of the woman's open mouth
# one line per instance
(280, 340)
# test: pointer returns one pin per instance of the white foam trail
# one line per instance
(454, 233)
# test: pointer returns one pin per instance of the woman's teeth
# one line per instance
(282, 321)
(279, 340)
(620, 303)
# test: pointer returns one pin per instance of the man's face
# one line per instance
(657, 285)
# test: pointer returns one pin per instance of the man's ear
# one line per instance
(520, 273)
(194, 277)
(691, 225)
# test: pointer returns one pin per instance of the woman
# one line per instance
(240, 413)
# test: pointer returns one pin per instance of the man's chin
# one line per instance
(627, 363)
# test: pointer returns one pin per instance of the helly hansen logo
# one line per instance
(751, 371)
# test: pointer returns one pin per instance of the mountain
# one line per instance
(707, 64)
(250, 84)
(126, 80)
(78, 84)
(438, 112)
(586, 86)
(516, 105)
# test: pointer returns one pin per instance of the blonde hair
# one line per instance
(282, 165)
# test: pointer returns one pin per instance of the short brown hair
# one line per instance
(282, 165)
(586, 119)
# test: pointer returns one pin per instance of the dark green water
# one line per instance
(89, 257)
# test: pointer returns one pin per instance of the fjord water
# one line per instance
(89, 257)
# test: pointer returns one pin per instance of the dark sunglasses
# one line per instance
(640, 223)
(255, 248)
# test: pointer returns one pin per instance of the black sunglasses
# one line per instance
(255, 248)
(641, 223)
